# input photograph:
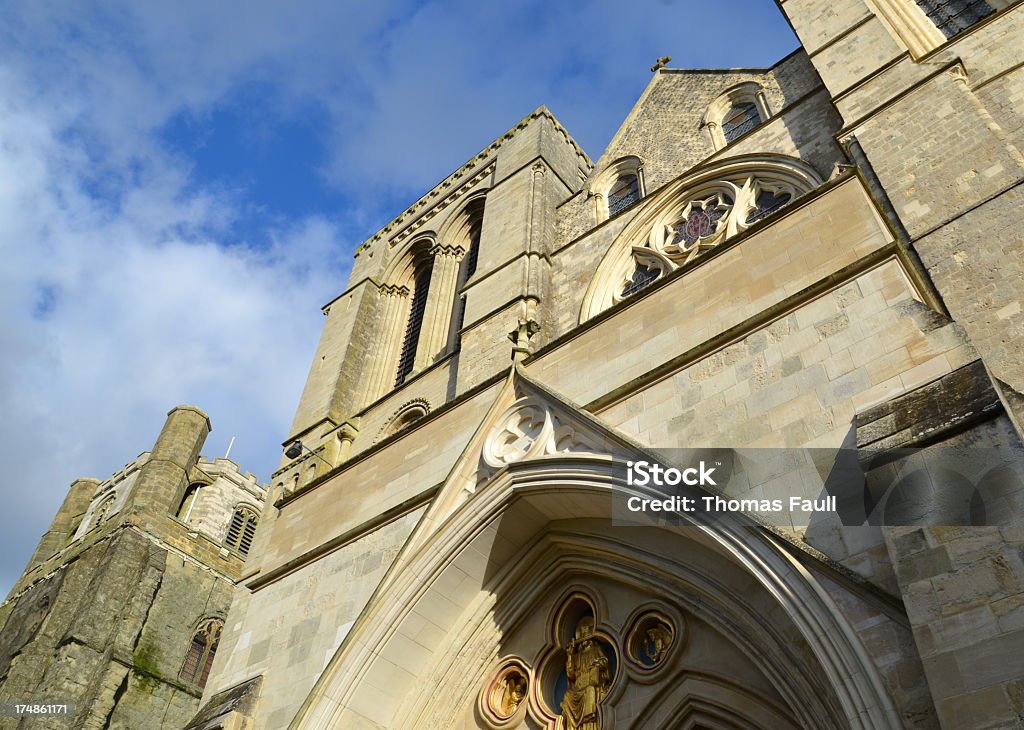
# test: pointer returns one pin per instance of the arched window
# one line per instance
(475, 218)
(617, 187)
(407, 415)
(188, 502)
(196, 668)
(242, 530)
(624, 193)
(735, 112)
(692, 216)
(739, 120)
(418, 305)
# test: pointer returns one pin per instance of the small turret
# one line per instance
(66, 521)
(164, 477)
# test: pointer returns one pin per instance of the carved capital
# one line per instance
(447, 249)
(958, 73)
(392, 290)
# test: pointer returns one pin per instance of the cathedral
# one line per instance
(720, 430)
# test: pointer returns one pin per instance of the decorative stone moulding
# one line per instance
(653, 639)
(407, 414)
(423, 208)
(504, 698)
(529, 429)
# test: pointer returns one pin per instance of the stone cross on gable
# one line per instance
(662, 62)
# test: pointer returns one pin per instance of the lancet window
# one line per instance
(196, 668)
(242, 530)
(740, 120)
(735, 112)
(623, 194)
(417, 308)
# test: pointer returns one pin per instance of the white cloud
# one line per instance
(125, 288)
(117, 307)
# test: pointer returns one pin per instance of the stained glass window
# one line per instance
(643, 276)
(196, 668)
(955, 16)
(700, 223)
(767, 203)
(412, 329)
(740, 120)
(623, 194)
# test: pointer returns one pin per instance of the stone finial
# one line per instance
(521, 337)
(662, 62)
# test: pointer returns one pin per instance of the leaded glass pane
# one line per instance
(194, 656)
(701, 223)
(955, 16)
(624, 194)
(740, 120)
(643, 276)
(767, 203)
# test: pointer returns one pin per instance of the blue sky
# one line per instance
(182, 186)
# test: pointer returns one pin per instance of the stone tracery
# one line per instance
(689, 218)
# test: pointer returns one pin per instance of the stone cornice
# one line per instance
(460, 182)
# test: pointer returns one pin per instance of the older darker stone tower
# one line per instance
(120, 608)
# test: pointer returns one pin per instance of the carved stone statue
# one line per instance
(658, 640)
(588, 671)
(513, 692)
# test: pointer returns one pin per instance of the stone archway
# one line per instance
(420, 653)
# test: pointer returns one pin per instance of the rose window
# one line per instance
(701, 221)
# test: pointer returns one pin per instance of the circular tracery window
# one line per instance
(700, 220)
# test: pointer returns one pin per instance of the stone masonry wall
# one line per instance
(289, 630)
(111, 635)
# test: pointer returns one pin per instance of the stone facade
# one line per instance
(105, 613)
(852, 288)
(820, 275)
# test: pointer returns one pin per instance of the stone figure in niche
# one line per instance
(588, 671)
(513, 692)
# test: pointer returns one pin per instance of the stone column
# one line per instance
(347, 433)
(717, 139)
(385, 358)
(444, 278)
(66, 520)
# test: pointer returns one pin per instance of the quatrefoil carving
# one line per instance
(529, 429)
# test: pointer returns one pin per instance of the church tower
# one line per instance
(120, 610)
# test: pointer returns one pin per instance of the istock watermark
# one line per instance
(642, 473)
(799, 488)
